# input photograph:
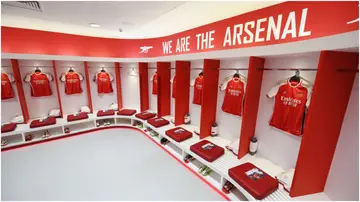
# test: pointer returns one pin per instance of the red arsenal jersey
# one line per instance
(174, 87)
(72, 82)
(198, 90)
(154, 85)
(291, 98)
(104, 80)
(6, 88)
(39, 83)
(234, 95)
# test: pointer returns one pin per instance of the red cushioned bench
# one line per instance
(207, 150)
(108, 112)
(145, 115)
(8, 127)
(158, 122)
(46, 122)
(77, 117)
(254, 180)
(127, 112)
(178, 134)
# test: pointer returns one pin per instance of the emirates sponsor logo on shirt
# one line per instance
(199, 86)
(234, 92)
(72, 80)
(289, 101)
(103, 79)
(40, 82)
(3, 82)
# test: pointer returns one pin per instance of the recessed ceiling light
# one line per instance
(94, 25)
(120, 30)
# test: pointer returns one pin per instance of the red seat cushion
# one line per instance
(179, 134)
(254, 180)
(109, 112)
(48, 121)
(8, 127)
(127, 112)
(158, 122)
(145, 115)
(211, 153)
(80, 116)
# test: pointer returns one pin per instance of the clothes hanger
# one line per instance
(201, 74)
(37, 70)
(71, 70)
(102, 69)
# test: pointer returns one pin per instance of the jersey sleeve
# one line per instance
(49, 76)
(273, 91)
(81, 77)
(192, 82)
(223, 86)
(172, 79)
(308, 97)
(95, 78)
(62, 78)
(111, 77)
(27, 78)
(11, 78)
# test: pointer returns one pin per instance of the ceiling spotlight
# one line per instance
(120, 30)
(94, 25)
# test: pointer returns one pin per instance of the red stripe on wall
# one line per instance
(144, 86)
(209, 96)
(88, 91)
(251, 104)
(324, 120)
(118, 85)
(57, 87)
(20, 89)
(163, 97)
(182, 86)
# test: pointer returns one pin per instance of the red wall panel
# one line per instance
(144, 86)
(209, 93)
(251, 104)
(57, 87)
(327, 109)
(182, 86)
(20, 89)
(88, 91)
(163, 97)
(118, 85)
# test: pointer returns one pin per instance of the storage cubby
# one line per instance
(78, 127)
(235, 194)
(123, 121)
(37, 135)
(12, 140)
(174, 149)
(138, 124)
(105, 122)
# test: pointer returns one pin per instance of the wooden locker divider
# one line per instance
(118, 85)
(57, 87)
(86, 67)
(144, 86)
(20, 89)
(251, 104)
(324, 120)
(209, 93)
(163, 96)
(182, 72)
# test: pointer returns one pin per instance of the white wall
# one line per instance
(194, 109)
(130, 85)
(229, 125)
(172, 100)
(71, 103)
(10, 107)
(102, 101)
(38, 106)
(343, 179)
(275, 145)
(152, 98)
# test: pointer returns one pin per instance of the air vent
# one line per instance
(31, 5)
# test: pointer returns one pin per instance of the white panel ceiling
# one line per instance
(137, 19)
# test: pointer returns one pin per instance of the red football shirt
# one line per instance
(291, 98)
(72, 82)
(104, 80)
(6, 88)
(39, 83)
(198, 90)
(154, 85)
(234, 95)
(174, 87)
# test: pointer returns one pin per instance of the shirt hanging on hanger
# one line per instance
(174, 86)
(6, 88)
(72, 82)
(234, 96)
(198, 86)
(39, 83)
(291, 99)
(103, 80)
(154, 84)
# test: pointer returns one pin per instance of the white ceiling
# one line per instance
(137, 19)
